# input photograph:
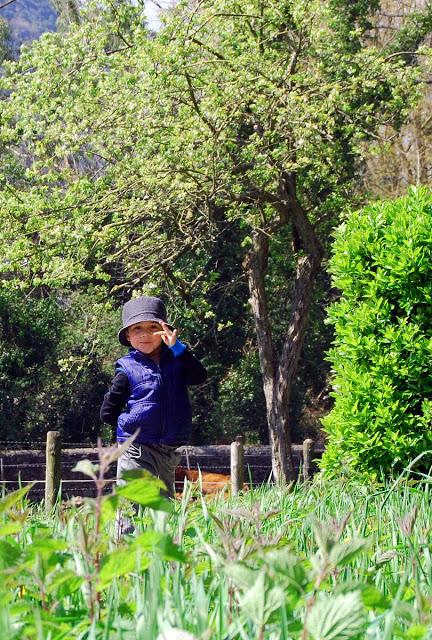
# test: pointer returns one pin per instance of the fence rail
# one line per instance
(49, 465)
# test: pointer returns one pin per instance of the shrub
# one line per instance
(381, 359)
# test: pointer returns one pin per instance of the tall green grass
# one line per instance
(325, 561)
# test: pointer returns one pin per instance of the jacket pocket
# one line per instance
(143, 415)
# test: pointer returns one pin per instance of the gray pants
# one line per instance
(160, 460)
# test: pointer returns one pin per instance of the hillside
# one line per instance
(28, 19)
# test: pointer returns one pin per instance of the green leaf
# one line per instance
(10, 554)
(120, 562)
(146, 491)
(324, 536)
(261, 600)
(417, 632)
(12, 498)
(46, 546)
(64, 583)
(287, 571)
(169, 550)
(135, 474)
(148, 540)
(160, 543)
(343, 553)
(337, 617)
(242, 576)
(87, 468)
(372, 598)
(109, 508)
(10, 528)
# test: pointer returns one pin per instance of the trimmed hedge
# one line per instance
(382, 354)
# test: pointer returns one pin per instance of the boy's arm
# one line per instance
(115, 399)
(196, 373)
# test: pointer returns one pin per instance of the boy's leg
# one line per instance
(160, 460)
(129, 460)
(166, 459)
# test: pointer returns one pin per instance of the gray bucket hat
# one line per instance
(140, 310)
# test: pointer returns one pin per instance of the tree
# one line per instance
(5, 40)
(401, 157)
(141, 150)
(68, 12)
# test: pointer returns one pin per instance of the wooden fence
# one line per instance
(50, 465)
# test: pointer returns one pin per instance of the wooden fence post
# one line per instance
(52, 469)
(308, 451)
(237, 465)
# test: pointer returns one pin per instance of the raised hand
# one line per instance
(168, 336)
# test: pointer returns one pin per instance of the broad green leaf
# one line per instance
(10, 554)
(417, 632)
(343, 553)
(46, 546)
(169, 550)
(286, 564)
(323, 535)
(242, 576)
(289, 573)
(121, 562)
(109, 508)
(87, 468)
(135, 474)
(10, 528)
(64, 583)
(146, 491)
(160, 543)
(148, 540)
(373, 598)
(20, 609)
(12, 498)
(261, 600)
(337, 617)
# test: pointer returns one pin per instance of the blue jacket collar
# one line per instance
(141, 357)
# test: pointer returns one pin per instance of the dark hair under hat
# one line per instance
(141, 309)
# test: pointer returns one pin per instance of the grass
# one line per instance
(325, 561)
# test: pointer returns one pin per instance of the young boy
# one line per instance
(149, 391)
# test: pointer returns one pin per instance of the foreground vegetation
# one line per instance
(324, 561)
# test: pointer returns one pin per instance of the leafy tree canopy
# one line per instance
(129, 144)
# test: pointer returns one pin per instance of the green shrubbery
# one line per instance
(382, 263)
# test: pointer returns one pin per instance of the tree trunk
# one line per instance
(279, 371)
(277, 418)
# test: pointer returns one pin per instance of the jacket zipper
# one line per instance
(162, 401)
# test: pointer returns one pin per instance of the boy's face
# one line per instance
(142, 336)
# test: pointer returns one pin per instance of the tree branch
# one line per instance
(196, 105)
(5, 4)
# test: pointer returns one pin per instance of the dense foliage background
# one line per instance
(135, 162)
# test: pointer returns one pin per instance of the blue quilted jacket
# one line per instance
(158, 405)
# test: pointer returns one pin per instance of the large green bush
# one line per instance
(382, 354)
